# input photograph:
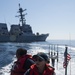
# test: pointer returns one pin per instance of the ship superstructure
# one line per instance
(21, 32)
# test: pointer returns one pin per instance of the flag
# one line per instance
(67, 58)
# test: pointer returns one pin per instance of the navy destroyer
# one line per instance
(21, 32)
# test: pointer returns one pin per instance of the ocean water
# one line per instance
(7, 54)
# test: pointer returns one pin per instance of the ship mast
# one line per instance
(22, 16)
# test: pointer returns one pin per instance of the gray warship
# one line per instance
(21, 32)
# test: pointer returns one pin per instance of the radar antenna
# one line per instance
(22, 16)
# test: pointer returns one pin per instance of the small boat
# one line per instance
(21, 32)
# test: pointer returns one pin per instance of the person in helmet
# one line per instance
(41, 66)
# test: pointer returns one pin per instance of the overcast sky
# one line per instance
(56, 17)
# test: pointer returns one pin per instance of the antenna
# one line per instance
(19, 5)
(21, 15)
(4, 19)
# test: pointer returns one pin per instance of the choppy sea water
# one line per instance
(7, 54)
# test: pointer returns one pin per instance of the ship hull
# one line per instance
(23, 38)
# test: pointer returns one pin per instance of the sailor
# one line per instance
(24, 61)
(41, 66)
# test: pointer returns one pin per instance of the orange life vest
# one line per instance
(48, 70)
(17, 68)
